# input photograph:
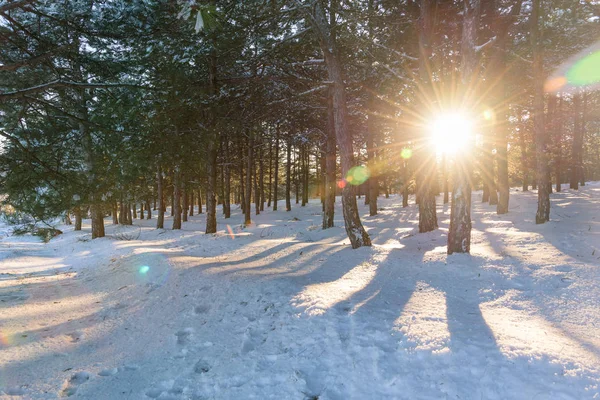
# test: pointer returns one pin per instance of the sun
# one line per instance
(451, 132)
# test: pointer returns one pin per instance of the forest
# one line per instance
(125, 108)
(211, 129)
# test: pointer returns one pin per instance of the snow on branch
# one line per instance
(11, 5)
(316, 89)
(308, 62)
(399, 54)
(483, 46)
(60, 83)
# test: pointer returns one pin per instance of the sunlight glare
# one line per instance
(451, 132)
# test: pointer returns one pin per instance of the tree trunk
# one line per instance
(577, 144)
(276, 177)
(288, 177)
(78, 218)
(227, 177)
(330, 162)
(200, 201)
(248, 195)
(129, 216)
(261, 177)
(558, 126)
(445, 178)
(354, 228)
(148, 210)
(426, 165)
(115, 213)
(372, 183)
(184, 200)
(543, 209)
(191, 202)
(459, 233)
(177, 199)
(270, 172)
(524, 157)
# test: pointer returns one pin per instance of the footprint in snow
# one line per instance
(108, 372)
(201, 309)
(184, 336)
(76, 336)
(72, 384)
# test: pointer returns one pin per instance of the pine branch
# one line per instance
(60, 83)
(14, 4)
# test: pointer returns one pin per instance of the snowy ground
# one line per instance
(285, 310)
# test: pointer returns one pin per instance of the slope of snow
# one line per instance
(285, 310)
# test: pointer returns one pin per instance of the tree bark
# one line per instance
(330, 163)
(288, 177)
(227, 177)
(354, 229)
(184, 200)
(459, 233)
(276, 177)
(176, 199)
(577, 144)
(78, 218)
(426, 165)
(543, 208)
(248, 195)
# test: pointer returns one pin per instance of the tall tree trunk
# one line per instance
(354, 229)
(191, 201)
(248, 195)
(459, 233)
(78, 218)
(445, 177)
(426, 165)
(115, 213)
(129, 215)
(558, 126)
(372, 183)
(148, 210)
(405, 183)
(504, 22)
(524, 158)
(200, 201)
(288, 177)
(270, 188)
(330, 162)
(261, 176)
(582, 126)
(305, 166)
(256, 185)
(543, 210)
(276, 177)
(577, 144)
(242, 182)
(184, 200)
(177, 198)
(227, 176)
(212, 147)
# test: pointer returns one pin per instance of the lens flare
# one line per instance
(5, 339)
(230, 231)
(585, 71)
(406, 153)
(358, 175)
(581, 71)
(144, 269)
(488, 115)
(341, 184)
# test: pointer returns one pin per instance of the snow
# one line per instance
(285, 310)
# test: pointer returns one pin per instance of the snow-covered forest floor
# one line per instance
(285, 310)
